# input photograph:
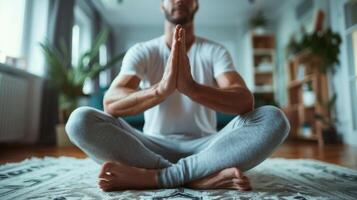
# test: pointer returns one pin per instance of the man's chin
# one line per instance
(179, 21)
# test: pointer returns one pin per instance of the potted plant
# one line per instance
(325, 44)
(309, 97)
(258, 23)
(329, 132)
(69, 79)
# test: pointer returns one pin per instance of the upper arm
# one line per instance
(230, 79)
(126, 81)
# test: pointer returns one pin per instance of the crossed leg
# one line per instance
(212, 162)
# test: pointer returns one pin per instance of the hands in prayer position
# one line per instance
(177, 75)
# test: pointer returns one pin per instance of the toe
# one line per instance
(240, 181)
(107, 167)
(104, 185)
(228, 173)
(242, 187)
(238, 173)
(106, 177)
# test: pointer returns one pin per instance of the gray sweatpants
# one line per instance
(244, 143)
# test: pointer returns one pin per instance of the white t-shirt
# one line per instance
(178, 116)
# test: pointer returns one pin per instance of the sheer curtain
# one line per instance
(60, 23)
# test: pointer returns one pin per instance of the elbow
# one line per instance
(247, 106)
(250, 104)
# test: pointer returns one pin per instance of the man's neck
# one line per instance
(190, 35)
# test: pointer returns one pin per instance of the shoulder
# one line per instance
(147, 46)
(207, 43)
(210, 47)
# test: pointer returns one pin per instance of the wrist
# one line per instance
(158, 92)
(191, 90)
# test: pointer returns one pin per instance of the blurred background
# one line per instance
(300, 55)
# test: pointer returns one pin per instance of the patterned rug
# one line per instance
(69, 178)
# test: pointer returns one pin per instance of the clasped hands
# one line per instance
(177, 74)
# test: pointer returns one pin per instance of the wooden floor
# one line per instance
(337, 154)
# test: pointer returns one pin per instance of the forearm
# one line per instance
(233, 100)
(126, 102)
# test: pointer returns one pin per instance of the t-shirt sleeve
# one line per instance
(134, 62)
(222, 61)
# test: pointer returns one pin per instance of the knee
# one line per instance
(276, 121)
(79, 122)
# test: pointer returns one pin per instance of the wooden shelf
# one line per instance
(263, 41)
(263, 72)
(263, 66)
(312, 137)
(306, 57)
(306, 65)
(298, 83)
(265, 52)
(264, 89)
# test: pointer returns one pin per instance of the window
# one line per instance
(354, 53)
(81, 41)
(81, 34)
(351, 33)
(353, 74)
(36, 32)
(104, 77)
(75, 44)
(26, 27)
(12, 15)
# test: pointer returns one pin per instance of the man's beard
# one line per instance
(181, 20)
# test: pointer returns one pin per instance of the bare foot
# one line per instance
(118, 176)
(230, 178)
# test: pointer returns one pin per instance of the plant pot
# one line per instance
(62, 139)
(309, 98)
(330, 136)
(259, 30)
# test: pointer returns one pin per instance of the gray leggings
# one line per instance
(244, 143)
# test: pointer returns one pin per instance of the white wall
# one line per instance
(341, 77)
(127, 36)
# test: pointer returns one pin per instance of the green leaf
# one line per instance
(68, 79)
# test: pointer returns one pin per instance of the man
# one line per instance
(183, 80)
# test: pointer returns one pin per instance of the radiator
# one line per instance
(19, 108)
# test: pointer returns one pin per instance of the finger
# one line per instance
(176, 33)
(175, 53)
(178, 27)
(174, 40)
(183, 38)
(180, 34)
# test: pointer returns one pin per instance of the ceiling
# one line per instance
(211, 12)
